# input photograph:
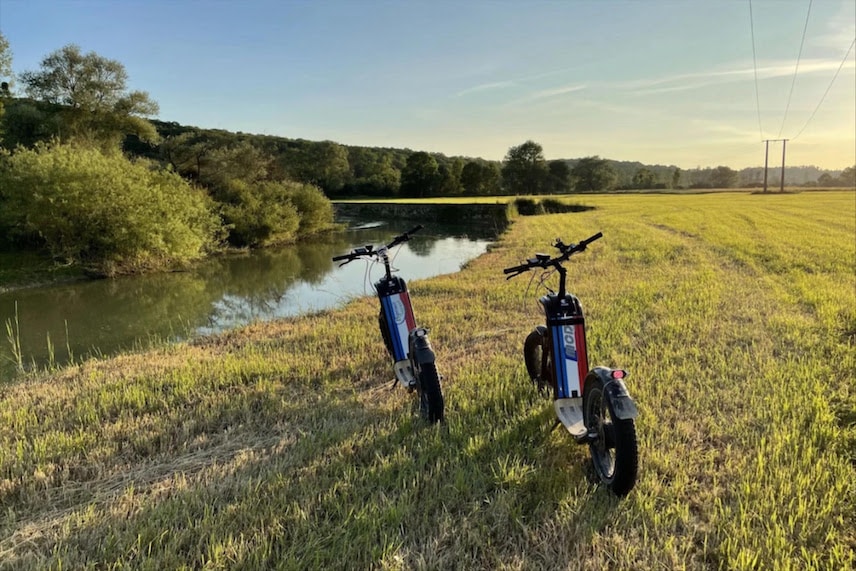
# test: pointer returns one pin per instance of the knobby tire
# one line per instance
(431, 405)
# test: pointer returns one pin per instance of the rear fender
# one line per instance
(618, 398)
(420, 347)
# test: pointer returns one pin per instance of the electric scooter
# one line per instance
(593, 405)
(413, 359)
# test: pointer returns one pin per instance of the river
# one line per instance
(51, 324)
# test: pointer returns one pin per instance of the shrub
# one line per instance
(527, 207)
(260, 214)
(104, 211)
(315, 209)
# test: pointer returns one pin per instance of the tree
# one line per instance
(222, 165)
(481, 178)
(5, 75)
(92, 91)
(449, 178)
(826, 179)
(593, 173)
(848, 177)
(324, 164)
(419, 176)
(723, 177)
(373, 173)
(525, 170)
(643, 179)
(560, 177)
(676, 178)
(473, 177)
(25, 124)
(5, 59)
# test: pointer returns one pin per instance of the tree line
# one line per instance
(68, 183)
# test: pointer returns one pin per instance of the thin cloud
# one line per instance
(524, 81)
(485, 87)
(689, 81)
(556, 91)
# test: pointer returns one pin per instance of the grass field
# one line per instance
(281, 445)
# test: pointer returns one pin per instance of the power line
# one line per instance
(796, 69)
(819, 103)
(755, 67)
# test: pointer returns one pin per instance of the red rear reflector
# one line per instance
(618, 374)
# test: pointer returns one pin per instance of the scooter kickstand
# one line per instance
(556, 425)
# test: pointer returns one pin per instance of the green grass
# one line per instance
(281, 446)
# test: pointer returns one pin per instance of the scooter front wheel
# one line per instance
(431, 405)
(614, 449)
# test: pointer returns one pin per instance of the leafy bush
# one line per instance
(104, 211)
(315, 209)
(527, 207)
(260, 214)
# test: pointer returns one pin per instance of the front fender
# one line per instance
(618, 398)
(420, 347)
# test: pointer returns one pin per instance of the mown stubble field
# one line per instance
(281, 445)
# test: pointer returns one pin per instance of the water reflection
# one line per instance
(107, 316)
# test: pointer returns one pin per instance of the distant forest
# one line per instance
(343, 171)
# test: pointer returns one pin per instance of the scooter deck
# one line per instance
(570, 414)
(404, 373)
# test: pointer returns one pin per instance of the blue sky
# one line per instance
(658, 81)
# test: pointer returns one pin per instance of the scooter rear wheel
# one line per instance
(533, 355)
(614, 451)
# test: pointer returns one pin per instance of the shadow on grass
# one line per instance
(358, 485)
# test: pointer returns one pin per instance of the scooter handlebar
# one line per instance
(544, 260)
(404, 237)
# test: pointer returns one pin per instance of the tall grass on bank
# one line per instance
(281, 446)
(13, 338)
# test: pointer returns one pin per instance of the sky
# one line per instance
(672, 82)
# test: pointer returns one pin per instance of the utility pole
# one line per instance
(767, 160)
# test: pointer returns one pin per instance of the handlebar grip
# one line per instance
(515, 269)
(591, 239)
(342, 257)
(404, 237)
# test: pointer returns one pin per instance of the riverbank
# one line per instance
(23, 269)
(280, 444)
(32, 268)
(29, 268)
